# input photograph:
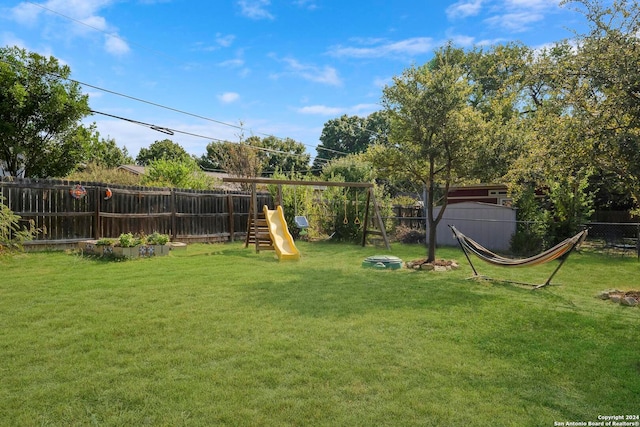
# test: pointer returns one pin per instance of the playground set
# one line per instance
(267, 228)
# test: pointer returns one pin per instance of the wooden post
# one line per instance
(231, 214)
(249, 219)
(366, 218)
(376, 209)
(96, 226)
(172, 202)
(254, 199)
(279, 197)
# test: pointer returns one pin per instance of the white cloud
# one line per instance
(516, 15)
(10, 39)
(408, 47)
(255, 9)
(380, 82)
(306, 4)
(25, 14)
(225, 40)
(326, 75)
(464, 8)
(232, 63)
(69, 19)
(116, 46)
(323, 110)
(515, 22)
(462, 40)
(228, 97)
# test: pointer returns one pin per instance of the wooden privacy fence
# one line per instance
(67, 211)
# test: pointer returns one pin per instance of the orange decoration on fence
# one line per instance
(78, 192)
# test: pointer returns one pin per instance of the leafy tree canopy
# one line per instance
(434, 128)
(350, 135)
(256, 156)
(99, 151)
(177, 173)
(163, 149)
(40, 110)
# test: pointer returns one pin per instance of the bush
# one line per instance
(128, 240)
(405, 234)
(105, 241)
(12, 235)
(156, 238)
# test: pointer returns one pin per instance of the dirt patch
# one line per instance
(437, 265)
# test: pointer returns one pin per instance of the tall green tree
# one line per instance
(100, 151)
(605, 81)
(256, 156)
(40, 111)
(178, 173)
(556, 159)
(350, 135)
(433, 129)
(283, 154)
(163, 149)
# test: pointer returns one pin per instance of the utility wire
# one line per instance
(171, 131)
(317, 147)
(110, 34)
(157, 128)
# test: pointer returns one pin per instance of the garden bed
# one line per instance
(91, 247)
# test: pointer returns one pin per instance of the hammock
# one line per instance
(560, 251)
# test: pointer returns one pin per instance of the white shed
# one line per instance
(490, 225)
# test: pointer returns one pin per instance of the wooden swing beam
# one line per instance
(280, 182)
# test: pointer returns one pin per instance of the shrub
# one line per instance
(105, 241)
(156, 238)
(405, 234)
(12, 235)
(128, 240)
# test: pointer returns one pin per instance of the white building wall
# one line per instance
(490, 225)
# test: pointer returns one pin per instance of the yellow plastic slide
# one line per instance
(280, 236)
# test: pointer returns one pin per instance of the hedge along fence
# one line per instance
(103, 210)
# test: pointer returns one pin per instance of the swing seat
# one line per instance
(301, 222)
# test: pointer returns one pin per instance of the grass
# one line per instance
(220, 335)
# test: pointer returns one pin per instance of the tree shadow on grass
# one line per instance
(334, 292)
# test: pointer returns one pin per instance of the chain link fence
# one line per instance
(617, 239)
(614, 238)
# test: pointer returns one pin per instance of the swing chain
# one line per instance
(345, 220)
(357, 220)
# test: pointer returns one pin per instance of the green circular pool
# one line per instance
(383, 262)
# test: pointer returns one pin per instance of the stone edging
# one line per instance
(628, 298)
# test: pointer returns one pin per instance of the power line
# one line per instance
(171, 131)
(161, 129)
(111, 34)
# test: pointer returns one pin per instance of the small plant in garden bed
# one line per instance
(128, 240)
(157, 239)
(105, 241)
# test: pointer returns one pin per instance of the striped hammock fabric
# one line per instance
(486, 255)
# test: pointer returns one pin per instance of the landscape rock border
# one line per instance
(628, 298)
(437, 265)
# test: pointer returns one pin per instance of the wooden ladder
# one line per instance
(258, 230)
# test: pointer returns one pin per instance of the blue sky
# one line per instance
(272, 67)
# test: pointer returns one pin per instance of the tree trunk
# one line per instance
(432, 223)
(431, 252)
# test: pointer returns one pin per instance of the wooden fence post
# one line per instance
(172, 203)
(231, 217)
(96, 226)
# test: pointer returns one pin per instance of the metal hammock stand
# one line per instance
(560, 251)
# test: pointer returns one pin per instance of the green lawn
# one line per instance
(220, 335)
